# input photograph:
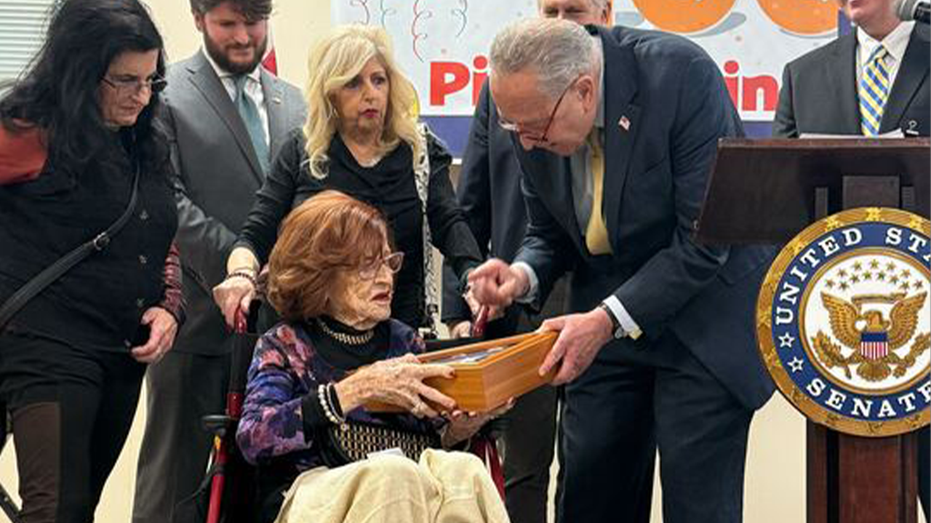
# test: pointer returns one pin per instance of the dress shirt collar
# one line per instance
(895, 42)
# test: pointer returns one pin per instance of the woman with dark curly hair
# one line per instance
(78, 151)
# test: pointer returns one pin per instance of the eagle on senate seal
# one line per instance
(873, 338)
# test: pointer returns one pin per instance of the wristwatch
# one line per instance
(616, 330)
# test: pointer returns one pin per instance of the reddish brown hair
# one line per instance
(320, 239)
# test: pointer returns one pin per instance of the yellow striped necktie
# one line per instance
(596, 233)
(874, 90)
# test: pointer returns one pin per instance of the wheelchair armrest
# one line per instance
(218, 424)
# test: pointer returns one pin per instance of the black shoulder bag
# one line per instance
(54, 271)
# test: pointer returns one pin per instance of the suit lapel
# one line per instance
(842, 78)
(622, 126)
(205, 80)
(274, 103)
(912, 71)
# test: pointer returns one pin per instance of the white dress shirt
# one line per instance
(895, 43)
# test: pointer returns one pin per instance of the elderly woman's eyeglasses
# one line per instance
(528, 134)
(131, 85)
(393, 261)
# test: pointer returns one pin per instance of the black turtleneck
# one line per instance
(341, 356)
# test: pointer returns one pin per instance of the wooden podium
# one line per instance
(766, 191)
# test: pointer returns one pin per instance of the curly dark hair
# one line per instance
(250, 9)
(59, 91)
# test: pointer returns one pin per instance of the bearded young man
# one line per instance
(226, 118)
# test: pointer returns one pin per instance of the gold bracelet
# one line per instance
(242, 273)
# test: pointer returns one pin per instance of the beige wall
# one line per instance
(775, 484)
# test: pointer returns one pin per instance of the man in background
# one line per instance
(226, 117)
(871, 81)
(498, 221)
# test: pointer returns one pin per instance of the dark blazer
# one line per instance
(217, 176)
(819, 90)
(490, 197)
(672, 96)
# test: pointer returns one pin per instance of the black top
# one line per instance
(388, 186)
(98, 304)
(343, 357)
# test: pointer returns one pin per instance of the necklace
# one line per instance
(344, 338)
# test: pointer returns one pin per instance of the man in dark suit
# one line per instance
(490, 197)
(618, 130)
(226, 117)
(822, 92)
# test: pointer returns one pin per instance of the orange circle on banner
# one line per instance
(804, 17)
(684, 16)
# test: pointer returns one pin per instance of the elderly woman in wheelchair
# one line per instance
(304, 423)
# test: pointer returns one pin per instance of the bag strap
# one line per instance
(39, 282)
(431, 291)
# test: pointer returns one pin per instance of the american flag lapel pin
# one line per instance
(624, 123)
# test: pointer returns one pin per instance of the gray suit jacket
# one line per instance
(819, 91)
(673, 104)
(217, 175)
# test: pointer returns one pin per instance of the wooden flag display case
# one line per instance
(489, 373)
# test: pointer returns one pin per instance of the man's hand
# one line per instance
(581, 336)
(498, 284)
(460, 329)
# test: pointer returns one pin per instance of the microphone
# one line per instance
(918, 10)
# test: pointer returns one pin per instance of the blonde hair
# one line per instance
(335, 62)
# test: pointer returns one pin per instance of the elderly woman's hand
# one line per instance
(396, 381)
(162, 329)
(462, 425)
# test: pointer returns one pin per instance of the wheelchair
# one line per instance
(227, 493)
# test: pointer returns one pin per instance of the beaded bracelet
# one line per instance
(244, 274)
(323, 397)
(334, 401)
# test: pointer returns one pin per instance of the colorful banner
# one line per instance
(442, 44)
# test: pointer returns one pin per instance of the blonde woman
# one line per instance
(362, 138)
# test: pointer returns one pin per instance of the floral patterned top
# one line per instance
(285, 373)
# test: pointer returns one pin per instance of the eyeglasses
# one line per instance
(154, 84)
(518, 128)
(393, 261)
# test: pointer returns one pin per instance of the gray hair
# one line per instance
(557, 50)
(601, 5)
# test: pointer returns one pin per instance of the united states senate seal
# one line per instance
(844, 321)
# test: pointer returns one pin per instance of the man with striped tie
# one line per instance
(868, 82)
(871, 81)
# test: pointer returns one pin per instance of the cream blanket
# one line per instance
(444, 487)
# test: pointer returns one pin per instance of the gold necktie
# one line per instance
(596, 233)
